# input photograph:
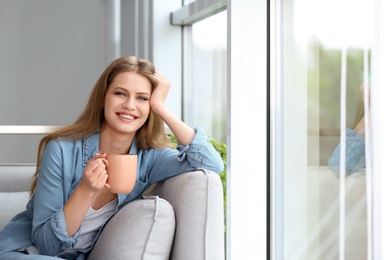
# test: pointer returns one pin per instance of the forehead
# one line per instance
(131, 80)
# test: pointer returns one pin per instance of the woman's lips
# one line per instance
(127, 116)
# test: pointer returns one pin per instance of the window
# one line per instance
(321, 208)
(205, 92)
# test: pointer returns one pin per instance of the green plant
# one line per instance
(221, 149)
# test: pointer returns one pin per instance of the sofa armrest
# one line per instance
(197, 199)
(15, 182)
(16, 177)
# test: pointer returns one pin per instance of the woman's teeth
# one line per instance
(126, 116)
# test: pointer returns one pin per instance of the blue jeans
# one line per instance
(23, 256)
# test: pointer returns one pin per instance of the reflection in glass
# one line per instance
(355, 146)
(319, 214)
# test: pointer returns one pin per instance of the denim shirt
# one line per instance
(354, 154)
(43, 225)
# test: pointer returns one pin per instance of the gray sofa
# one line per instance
(181, 218)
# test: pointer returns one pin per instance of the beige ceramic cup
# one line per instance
(122, 172)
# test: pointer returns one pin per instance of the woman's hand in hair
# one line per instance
(160, 92)
(183, 132)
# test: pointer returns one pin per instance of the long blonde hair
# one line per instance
(150, 135)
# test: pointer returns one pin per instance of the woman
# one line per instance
(125, 114)
(355, 158)
(355, 148)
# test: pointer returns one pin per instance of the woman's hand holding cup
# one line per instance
(95, 173)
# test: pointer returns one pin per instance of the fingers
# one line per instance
(160, 92)
(162, 79)
(99, 155)
(95, 174)
(105, 162)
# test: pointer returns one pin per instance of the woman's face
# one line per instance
(126, 105)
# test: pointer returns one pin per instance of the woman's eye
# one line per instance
(118, 93)
(143, 98)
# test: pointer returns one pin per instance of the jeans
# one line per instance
(23, 256)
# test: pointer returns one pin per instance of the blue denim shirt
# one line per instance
(42, 224)
(355, 158)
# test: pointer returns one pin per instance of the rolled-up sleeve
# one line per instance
(200, 153)
(354, 156)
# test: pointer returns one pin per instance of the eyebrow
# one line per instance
(123, 89)
(143, 93)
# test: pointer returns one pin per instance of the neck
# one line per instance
(115, 142)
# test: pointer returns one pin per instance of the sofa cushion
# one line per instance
(16, 177)
(143, 229)
(11, 204)
(14, 186)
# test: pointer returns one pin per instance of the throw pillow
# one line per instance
(143, 229)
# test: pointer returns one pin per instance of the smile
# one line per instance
(126, 116)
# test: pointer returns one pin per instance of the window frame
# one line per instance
(244, 220)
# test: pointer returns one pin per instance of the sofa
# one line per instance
(180, 218)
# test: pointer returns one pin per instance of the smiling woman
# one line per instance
(126, 109)
(125, 114)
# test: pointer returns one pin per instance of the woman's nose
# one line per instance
(129, 104)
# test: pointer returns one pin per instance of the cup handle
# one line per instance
(106, 164)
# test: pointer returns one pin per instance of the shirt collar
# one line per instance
(90, 147)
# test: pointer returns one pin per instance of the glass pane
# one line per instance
(205, 88)
(320, 214)
(206, 92)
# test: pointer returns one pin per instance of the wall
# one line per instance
(51, 54)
